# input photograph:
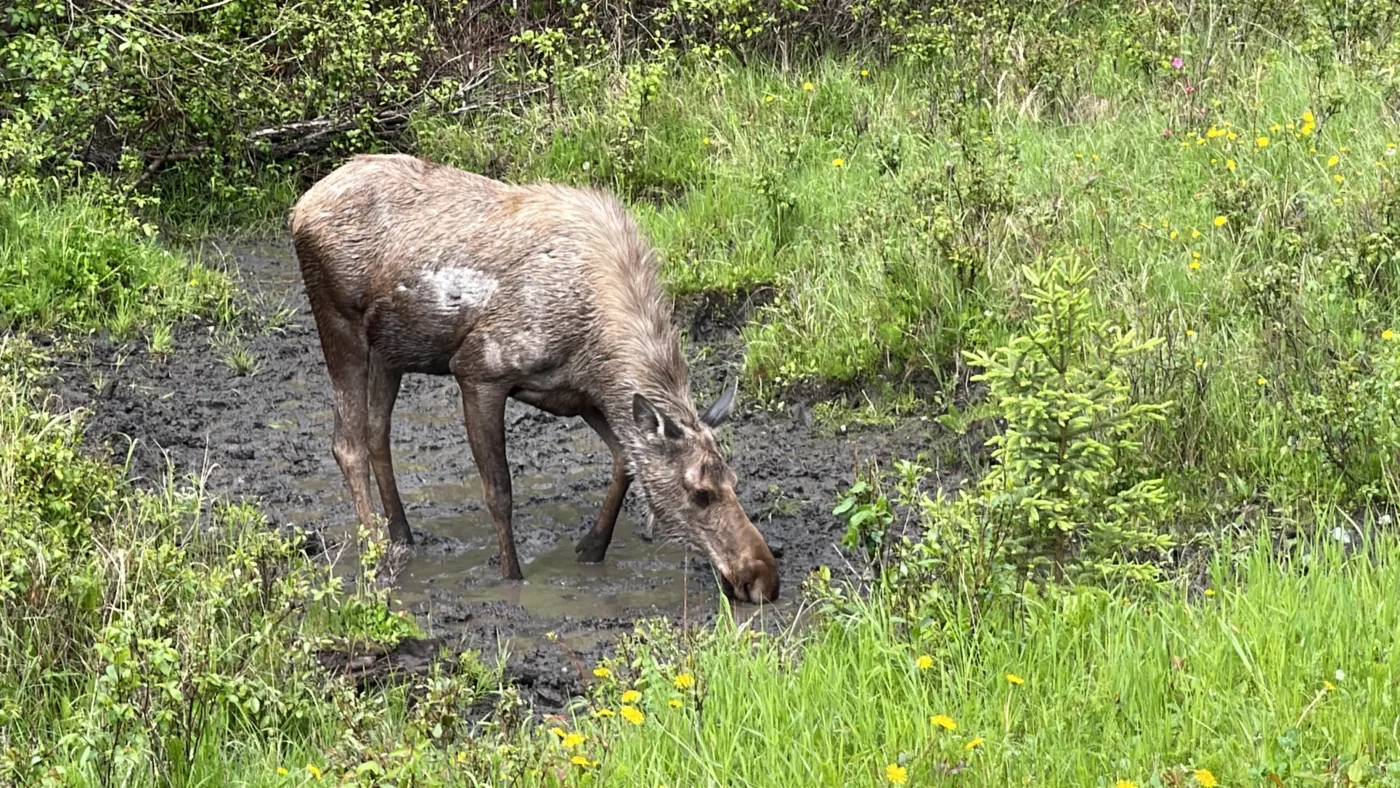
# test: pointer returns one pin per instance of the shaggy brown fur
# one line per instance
(543, 293)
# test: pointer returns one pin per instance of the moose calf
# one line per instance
(542, 293)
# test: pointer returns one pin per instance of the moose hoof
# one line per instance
(591, 549)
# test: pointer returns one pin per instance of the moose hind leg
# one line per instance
(593, 547)
(484, 407)
(383, 391)
(347, 360)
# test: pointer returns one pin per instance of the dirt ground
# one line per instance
(266, 437)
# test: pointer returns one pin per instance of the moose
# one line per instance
(542, 293)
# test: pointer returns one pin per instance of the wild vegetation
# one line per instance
(1151, 251)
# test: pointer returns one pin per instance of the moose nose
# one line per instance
(755, 580)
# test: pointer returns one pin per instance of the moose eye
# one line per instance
(701, 498)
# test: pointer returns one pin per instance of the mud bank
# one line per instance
(266, 437)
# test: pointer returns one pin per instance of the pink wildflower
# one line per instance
(1176, 62)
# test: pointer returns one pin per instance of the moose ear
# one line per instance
(723, 408)
(653, 421)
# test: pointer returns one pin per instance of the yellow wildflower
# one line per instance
(1205, 778)
(282, 770)
(684, 681)
(1125, 784)
(705, 141)
(1275, 128)
(896, 774)
(602, 672)
(1334, 161)
(603, 713)
(631, 696)
(865, 72)
(1387, 335)
(1263, 381)
(807, 86)
(1194, 265)
(579, 760)
(313, 771)
(924, 662)
(943, 721)
(573, 740)
(838, 162)
(1173, 235)
(1195, 233)
(1220, 221)
(632, 715)
(1262, 142)
(768, 99)
(1232, 136)
(1210, 592)
(674, 703)
(1329, 686)
(1338, 178)
(974, 744)
(1230, 165)
(1014, 679)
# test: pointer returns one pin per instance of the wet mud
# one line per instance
(266, 437)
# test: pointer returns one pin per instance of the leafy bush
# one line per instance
(1066, 496)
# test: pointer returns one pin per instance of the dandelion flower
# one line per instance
(602, 672)
(1173, 235)
(579, 760)
(896, 774)
(1205, 778)
(705, 142)
(974, 744)
(1014, 679)
(1334, 161)
(674, 703)
(558, 732)
(924, 662)
(684, 681)
(943, 721)
(838, 162)
(1210, 592)
(632, 715)
(807, 86)
(282, 770)
(865, 72)
(1338, 178)
(1262, 142)
(1230, 165)
(573, 740)
(1220, 221)
(1263, 381)
(1195, 234)
(1194, 265)
(1387, 335)
(1275, 128)
(603, 713)
(313, 771)
(631, 696)
(768, 99)
(1329, 686)
(1125, 784)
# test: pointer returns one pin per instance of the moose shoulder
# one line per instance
(542, 293)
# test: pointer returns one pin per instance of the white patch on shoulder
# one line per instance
(457, 289)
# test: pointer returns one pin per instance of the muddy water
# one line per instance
(267, 438)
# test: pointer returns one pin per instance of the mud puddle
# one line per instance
(266, 438)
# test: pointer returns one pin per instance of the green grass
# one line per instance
(1114, 688)
(76, 263)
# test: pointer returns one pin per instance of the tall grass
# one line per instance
(79, 263)
(1286, 664)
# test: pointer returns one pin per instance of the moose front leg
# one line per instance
(485, 410)
(594, 545)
